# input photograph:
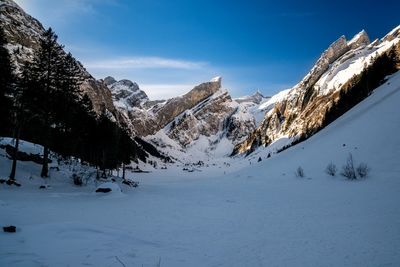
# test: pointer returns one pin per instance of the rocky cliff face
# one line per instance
(147, 117)
(24, 32)
(125, 93)
(206, 112)
(334, 51)
(207, 119)
(177, 105)
(212, 126)
(301, 111)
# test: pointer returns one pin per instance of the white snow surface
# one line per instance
(239, 212)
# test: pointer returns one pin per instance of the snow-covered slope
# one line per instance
(256, 214)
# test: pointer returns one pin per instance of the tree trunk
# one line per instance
(15, 154)
(123, 171)
(45, 166)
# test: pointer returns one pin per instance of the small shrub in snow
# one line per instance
(331, 169)
(299, 172)
(363, 170)
(348, 170)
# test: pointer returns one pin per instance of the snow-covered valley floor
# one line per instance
(254, 215)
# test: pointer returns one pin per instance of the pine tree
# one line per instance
(6, 83)
(47, 67)
(20, 113)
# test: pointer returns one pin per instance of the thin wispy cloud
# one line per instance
(146, 63)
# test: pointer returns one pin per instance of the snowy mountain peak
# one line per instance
(217, 79)
(255, 98)
(392, 34)
(126, 94)
(258, 97)
(109, 80)
(333, 52)
(129, 84)
(360, 39)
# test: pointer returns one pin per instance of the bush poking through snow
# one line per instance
(348, 170)
(299, 172)
(363, 170)
(331, 169)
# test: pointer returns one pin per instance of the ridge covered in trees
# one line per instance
(43, 104)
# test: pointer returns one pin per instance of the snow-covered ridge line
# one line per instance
(300, 109)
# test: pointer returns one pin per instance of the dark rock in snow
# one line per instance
(103, 190)
(10, 229)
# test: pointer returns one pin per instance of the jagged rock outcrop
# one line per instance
(255, 98)
(125, 93)
(334, 51)
(207, 119)
(206, 111)
(359, 40)
(177, 105)
(392, 34)
(302, 110)
(215, 124)
(148, 117)
(109, 80)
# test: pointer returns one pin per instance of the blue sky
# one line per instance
(169, 46)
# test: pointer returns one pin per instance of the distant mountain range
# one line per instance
(207, 122)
